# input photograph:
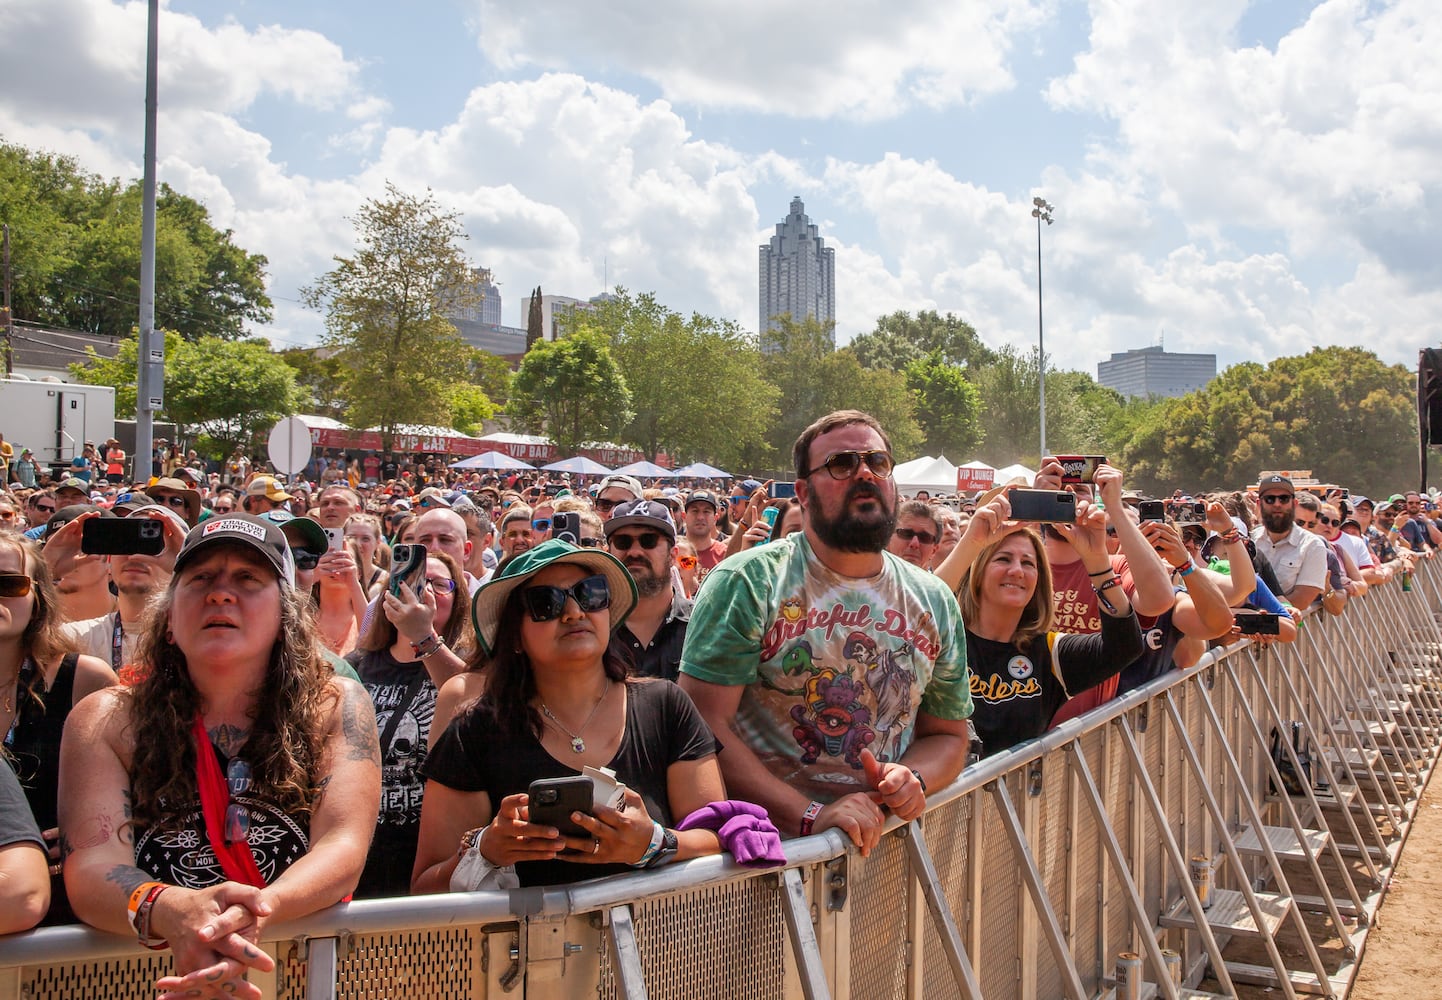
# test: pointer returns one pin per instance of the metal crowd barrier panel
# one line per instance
(1162, 845)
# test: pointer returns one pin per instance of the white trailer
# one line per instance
(54, 419)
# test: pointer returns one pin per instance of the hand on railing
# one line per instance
(212, 933)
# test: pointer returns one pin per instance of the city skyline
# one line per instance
(1253, 178)
(796, 275)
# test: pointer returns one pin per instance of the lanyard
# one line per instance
(117, 637)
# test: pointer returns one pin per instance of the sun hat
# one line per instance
(491, 598)
(264, 537)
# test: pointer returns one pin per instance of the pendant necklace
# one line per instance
(578, 745)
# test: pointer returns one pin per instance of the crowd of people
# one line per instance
(258, 698)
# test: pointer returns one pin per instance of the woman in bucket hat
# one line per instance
(558, 699)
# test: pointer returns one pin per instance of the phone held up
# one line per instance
(122, 536)
(782, 491)
(567, 527)
(1053, 506)
(552, 800)
(1152, 510)
(408, 565)
(1080, 468)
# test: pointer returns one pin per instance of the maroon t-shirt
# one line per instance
(1078, 610)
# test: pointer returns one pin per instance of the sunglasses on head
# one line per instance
(1274, 498)
(14, 584)
(647, 540)
(845, 464)
(924, 537)
(547, 603)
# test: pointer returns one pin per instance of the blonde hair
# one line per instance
(1037, 616)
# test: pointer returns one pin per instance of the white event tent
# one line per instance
(935, 475)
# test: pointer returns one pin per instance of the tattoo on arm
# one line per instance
(362, 740)
(127, 877)
(320, 787)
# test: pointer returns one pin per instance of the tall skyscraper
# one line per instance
(797, 273)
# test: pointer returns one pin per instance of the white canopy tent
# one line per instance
(935, 475)
(1012, 471)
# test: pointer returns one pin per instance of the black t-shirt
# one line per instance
(17, 826)
(662, 727)
(1016, 693)
(1159, 645)
(389, 682)
(177, 848)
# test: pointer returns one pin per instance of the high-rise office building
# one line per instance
(797, 273)
(1152, 371)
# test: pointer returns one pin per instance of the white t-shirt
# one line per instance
(96, 637)
(1356, 548)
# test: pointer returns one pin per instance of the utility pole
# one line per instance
(150, 378)
(1041, 212)
(9, 316)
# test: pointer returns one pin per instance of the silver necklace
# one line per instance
(577, 744)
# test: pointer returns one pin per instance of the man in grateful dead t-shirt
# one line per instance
(840, 668)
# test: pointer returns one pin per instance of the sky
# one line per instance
(1249, 180)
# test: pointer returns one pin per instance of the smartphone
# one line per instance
(408, 563)
(122, 536)
(567, 527)
(1257, 622)
(1055, 506)
(552, 800)
(335, 538)
(1152, 510)
(1191, 513)
(782, 491)
(1080, 468)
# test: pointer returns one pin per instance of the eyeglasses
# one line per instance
(924, 537)
(541, 524)
(1274, 498)
(14, 584)
(845, 464)
(1306, 524)
(223, 510)
(605, 505)
(687, 562)
(1330, 522)
(304, 559)
(44, 508)
(237, 817)
(441, 584)
(548, 603)
(592, 543)
(647, 540)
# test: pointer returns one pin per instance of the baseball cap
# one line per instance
(74, 483)
(264, 537)
(642, 513)
(1358, 500)
(1275, 483)
(128, 503)
(630, 484)
(65, 515)
(749, 486)
(268, 487)
(703, 496)
(432, 496)
(301, 532)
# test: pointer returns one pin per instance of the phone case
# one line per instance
(552, 800)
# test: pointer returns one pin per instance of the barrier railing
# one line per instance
(1143, 849)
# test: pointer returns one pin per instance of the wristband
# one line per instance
(658, 837)
(919, 779)
(1115, 581)
(430, 644)
(1102, 572)
(808, 818)
(137, 896)
(1184, 571)
(1231, 537)
(142, 918)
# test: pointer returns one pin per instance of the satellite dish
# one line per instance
(289, 445)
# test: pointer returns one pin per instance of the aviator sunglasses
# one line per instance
(546, 603)
(924, 537)
(845, 464)
(14, 584)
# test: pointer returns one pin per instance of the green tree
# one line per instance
(900, 338)
(696, 385)
(386, 311)
(320, 379)
(231, 391)
(470, 407)
(75, 248)
(572, 390)
(948, 406)
(490, 374)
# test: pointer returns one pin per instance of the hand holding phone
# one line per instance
(551, 801)
(122, 536)
(408, 564)
(1044, 506)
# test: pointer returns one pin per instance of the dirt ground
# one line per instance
(1403, 957)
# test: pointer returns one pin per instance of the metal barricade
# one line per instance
(1027, 877)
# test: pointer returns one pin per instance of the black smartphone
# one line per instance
(408, 564)
(567, 527)
(1080, 468)
(552, 800)
(1191, 513)
(1152, 510)
(782, 491)
(122, 536)
(1055, 506)
(1257, 622)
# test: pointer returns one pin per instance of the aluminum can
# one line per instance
(1202, 879)
(1129, 976)
(1172, 961)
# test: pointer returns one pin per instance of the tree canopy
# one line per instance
(75, 254)
(571, 389)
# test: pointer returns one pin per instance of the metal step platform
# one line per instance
(1284, 843)
(1229, 914)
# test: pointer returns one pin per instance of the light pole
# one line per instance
(1041, 212)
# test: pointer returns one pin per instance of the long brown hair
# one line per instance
(1036, 617)
(287, 730)
(42, 639)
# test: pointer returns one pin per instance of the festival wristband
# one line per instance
(143, 914)
(137, 897)
(1186, 570)
(808, 818)
(658, 837)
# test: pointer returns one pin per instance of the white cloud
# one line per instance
(864, 59)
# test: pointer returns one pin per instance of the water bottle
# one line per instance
(1406, 581)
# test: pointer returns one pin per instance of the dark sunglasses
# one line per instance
(924, 537)
(1305, 524)
(738, 499)
(845, 464)
(605, 505)
(548, 603)
(592, 543)
(304, 559)
(44, 509)
(647, 540)
(173, 501)
(1273, 498)
(1330, 522)
(14, 584)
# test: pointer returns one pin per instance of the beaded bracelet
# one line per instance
(1232, 537)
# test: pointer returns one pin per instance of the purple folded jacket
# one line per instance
(745, 830)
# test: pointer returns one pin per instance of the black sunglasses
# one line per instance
(648, 540)
(845, 464)
(548, 603)
(1330, 522)
(591, 543)
(14, 584)
(304, 559)
(1273, 498)
(907, 534)
(605, 505)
